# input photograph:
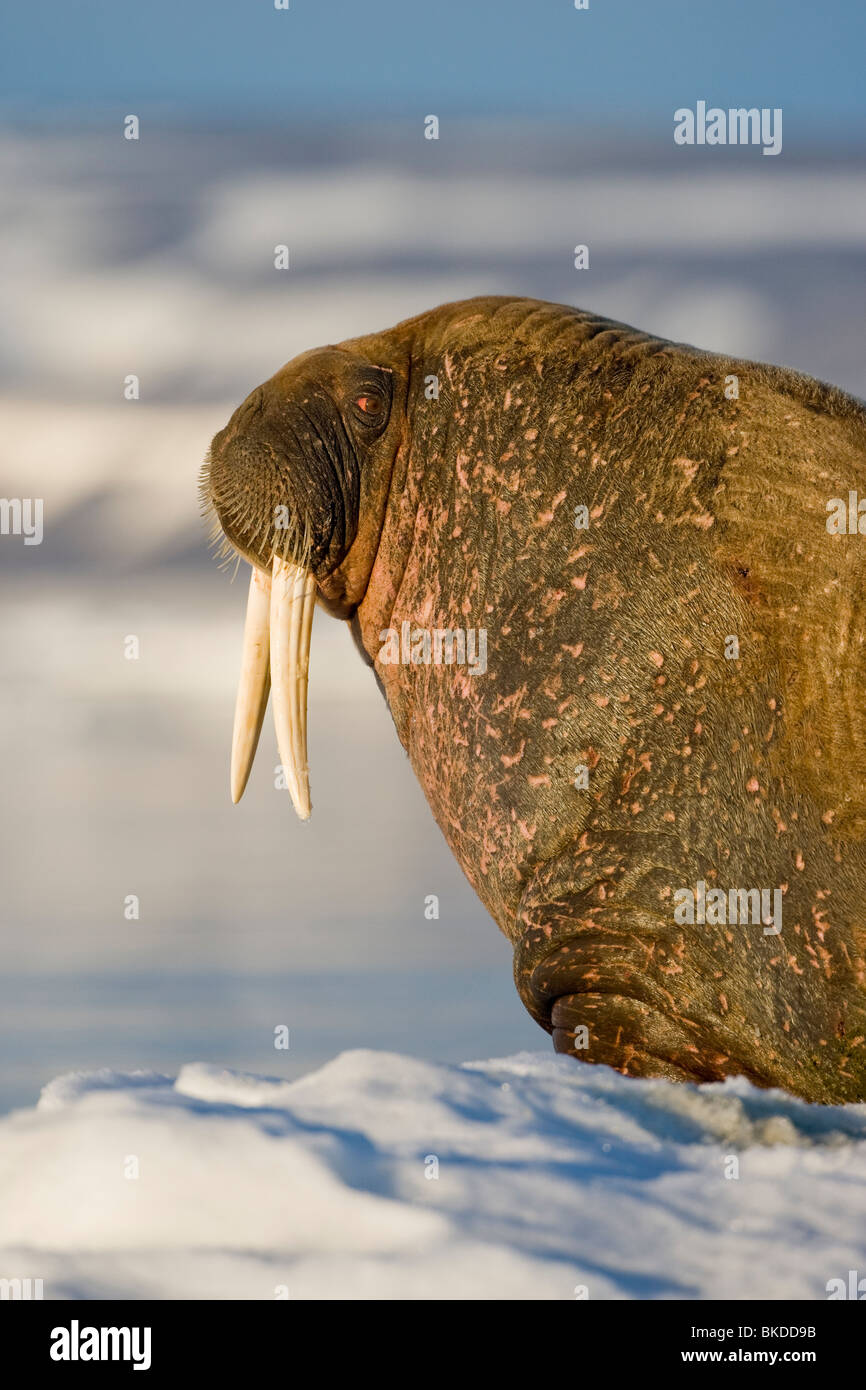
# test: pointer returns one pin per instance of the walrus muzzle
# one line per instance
(283, 481)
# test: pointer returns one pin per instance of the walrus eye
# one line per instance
(371, 403)
(368, 396)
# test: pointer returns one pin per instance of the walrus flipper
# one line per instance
(602, 964)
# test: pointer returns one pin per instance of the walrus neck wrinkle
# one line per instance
(399, 537)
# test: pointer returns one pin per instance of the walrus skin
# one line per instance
(608, 648)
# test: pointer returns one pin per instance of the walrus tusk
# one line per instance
(293, 600)
(254, 683)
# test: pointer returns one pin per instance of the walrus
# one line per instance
(654, 779)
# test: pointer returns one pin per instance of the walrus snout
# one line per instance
(284, 480)
(281, 481)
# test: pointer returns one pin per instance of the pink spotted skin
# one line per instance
(693, 642)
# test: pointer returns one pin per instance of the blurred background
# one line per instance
(155, 257)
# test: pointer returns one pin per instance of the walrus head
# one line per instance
(289, 478)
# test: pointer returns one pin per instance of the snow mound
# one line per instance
(383, 1176)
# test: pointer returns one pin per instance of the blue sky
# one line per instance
(619, 61)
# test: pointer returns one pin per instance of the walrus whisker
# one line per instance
(293, 593)
(254, 684)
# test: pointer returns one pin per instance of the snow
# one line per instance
(553, 1179)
